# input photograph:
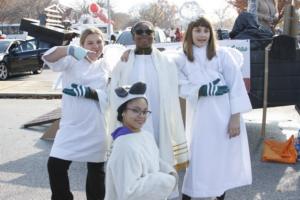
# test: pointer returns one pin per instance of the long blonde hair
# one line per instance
(188, 39)
(88, 31)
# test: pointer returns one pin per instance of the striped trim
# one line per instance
(214, 90)
(76, 90)
(181, 166)
(209, 92)
(184, 143)
(178, 154)
(179, 149)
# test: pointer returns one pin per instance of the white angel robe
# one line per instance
(217, 163)
(135, 171)
(82, 134)
(165, 122)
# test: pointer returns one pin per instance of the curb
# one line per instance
(29, 96)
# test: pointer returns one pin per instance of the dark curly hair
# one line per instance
(123, 107)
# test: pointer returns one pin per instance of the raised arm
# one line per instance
(58, 53)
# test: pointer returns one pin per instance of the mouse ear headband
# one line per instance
(126, 93)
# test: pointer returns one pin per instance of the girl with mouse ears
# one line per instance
(134, 169)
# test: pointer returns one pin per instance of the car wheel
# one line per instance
(38, 71)
(3, 71)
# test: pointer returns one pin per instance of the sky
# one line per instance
(205, 4)
(125, 5)
(210, 7)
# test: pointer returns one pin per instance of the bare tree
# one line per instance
(122, 20)
(162, 13)
(239, 5)
(16, 10)
(6, 7)
(222, 15)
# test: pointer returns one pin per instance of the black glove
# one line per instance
(77, 91)
(211, 89)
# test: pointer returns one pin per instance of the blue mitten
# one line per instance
(211, 89)
(77, 52)
(78, 91)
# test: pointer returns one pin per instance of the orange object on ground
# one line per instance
(277, 151)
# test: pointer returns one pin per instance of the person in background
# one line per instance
(82, 134)
(2, 36)
(113, 38)
(246, 27)
(172, 35)
(178, 35)
(267, 13)
(211, 82)
(134, 168)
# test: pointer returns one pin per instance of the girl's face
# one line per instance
(200, 36)
(135, 114)
(94, 42)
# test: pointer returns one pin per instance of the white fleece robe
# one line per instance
(217, 163)
(160, 75)
(135, 171)
(82, 132)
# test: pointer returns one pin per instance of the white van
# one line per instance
(107, 29)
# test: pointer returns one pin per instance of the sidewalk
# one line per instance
(28, 89)
(23, 155)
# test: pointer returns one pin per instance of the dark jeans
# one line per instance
(59, 180)
(186, 197)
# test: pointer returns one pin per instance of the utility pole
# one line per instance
(109, 17)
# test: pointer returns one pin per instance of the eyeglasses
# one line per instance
(140, 112)
(142, 32)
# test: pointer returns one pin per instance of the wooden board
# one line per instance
(45, 119)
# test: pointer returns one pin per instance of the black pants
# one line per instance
(59, 180)
(186, 197)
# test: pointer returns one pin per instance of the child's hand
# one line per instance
(234, 125)
(125, 56)
(76, 51)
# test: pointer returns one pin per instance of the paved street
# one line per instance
(23, 155)
(30, 85)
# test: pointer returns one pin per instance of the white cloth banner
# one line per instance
(244, 47)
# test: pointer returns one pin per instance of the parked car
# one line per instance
(18, 56)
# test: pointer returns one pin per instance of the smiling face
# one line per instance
(200, 36)
(94, 42)
(143, 35)
(135, 114)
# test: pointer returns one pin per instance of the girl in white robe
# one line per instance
(81, 135)
(212, 84)
(134, 168)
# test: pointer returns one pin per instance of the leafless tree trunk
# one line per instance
(14, 10)
(222, 15)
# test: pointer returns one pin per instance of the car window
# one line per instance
(27, 46)
(4, 45)
(103, 29)
(125, 38)
(157, 38)
(16, 47)
(163, 37)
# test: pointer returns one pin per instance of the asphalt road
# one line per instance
(23, 155)
(46, 75)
